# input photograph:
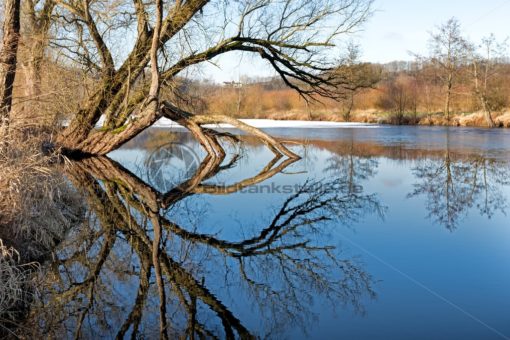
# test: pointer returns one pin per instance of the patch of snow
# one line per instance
(269, 123)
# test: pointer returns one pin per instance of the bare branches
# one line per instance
(208, 141)
(291, 35)
(156, 35)
(449, 51)
(82, 14)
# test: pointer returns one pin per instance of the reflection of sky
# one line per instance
(432, 282)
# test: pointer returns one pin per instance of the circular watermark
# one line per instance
(170, 165)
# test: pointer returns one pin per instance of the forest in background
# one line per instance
(460, 83)
(404, 93)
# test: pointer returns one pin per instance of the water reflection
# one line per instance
(167, 234)
(455, 183)
(133, 271)
(351, 166)
(169, 163)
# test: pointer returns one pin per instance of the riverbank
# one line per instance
(476, 119)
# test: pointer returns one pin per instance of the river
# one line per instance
(378, 232)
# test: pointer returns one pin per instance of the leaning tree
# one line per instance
(137, 50)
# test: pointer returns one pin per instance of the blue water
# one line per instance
(417, 247)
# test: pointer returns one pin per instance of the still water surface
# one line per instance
(377, 233)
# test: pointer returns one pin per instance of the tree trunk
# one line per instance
(347, 113)
(36, 46)
(487, 112)
(8, 58)
(194, 122)
(32, 80)
(448, 98)
(101, 142)
(482, 97)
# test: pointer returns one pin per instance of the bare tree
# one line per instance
(399, 97)
(486, 65)
(358, 76)
(448, 52)
(291, 35)
(8, 58)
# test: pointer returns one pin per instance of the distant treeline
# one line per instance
(457, 77)
(403, 90)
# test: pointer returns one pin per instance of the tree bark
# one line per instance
(347, 112)
(8, 58)
(487, 112)
(36, 38)
(448, 97)
(101, 142)
(482, 96)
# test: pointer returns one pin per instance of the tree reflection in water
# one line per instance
(132, 271)
(351, 166)
(455, 184)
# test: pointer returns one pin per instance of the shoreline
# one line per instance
(274, 123)
(359, 120)
(263, 123)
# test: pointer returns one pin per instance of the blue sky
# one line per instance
(400, 26)
(397, 28)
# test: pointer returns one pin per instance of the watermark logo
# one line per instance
(170, 165)
(278, 188)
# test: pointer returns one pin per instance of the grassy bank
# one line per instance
(37, 208)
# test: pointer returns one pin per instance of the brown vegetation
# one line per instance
(37, 208)
(401, 97)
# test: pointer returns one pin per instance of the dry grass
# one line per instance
(473, 119)
(476, 119)
(436, 119)
(37, 207)
(503, 120)
(14, 279)
(303, 115)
